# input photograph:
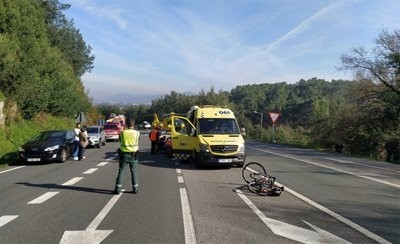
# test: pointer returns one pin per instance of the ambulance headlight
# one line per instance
(241, 148)
(204, 148)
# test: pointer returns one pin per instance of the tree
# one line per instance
(382, 67)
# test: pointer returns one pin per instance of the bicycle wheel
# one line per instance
(253, 171)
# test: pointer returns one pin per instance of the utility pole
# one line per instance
(261, 121)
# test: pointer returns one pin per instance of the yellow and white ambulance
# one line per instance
(209, 135)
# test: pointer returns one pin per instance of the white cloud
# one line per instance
(107, 12)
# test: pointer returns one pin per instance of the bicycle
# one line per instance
(259, 182)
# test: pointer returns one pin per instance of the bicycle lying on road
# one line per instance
(259, 182)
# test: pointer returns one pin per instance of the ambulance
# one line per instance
(209, 135)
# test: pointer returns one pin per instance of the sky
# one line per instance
(152, 47)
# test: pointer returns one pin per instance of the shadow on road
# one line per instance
(61, 187)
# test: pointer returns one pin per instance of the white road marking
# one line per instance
(329, 212)
(190, 236)
(329, 167)
(6, 219)
(273, 147)
(43, 197)
(290, 231)
(109, 159)
(89, 171)
(337, 216)
(180, 179)
(103, 213)
(364, 165)
(90, 235)
(8, 170)
(102, 163)
(179, 171)
(72, 181)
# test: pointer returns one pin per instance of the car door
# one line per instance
(184, 138)
(70, 137)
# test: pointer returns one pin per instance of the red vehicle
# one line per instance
(112, 131)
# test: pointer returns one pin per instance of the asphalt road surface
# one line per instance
(328, 198)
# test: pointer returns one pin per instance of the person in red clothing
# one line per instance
(168, 147)
(154, 136)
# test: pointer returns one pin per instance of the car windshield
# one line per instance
(92, 130)
(218, 126)
(49, 135)
(110, 127)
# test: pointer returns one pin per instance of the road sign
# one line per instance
(81, 118)
(274, 116)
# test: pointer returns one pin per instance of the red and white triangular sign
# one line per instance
(274, 116)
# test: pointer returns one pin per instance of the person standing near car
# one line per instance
(154, 136)
(128, 155)
(83, 142)
(77, 130)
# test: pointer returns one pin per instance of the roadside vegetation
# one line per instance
(42, 59)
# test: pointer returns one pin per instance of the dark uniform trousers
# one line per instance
(131, 159)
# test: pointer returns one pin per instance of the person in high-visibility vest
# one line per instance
(154, 136)
(128, 154)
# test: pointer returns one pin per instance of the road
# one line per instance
(328, 198)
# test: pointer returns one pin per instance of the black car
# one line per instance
(55, 145)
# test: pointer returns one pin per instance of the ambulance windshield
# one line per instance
(218, 126)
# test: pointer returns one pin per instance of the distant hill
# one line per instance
(130, 98)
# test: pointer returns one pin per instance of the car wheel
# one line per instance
(104, 142)
(63, 155)
(99, 144)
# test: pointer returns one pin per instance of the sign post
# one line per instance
(81, 118)
(274, 117)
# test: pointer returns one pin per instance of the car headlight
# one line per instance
(21, 149)
(52, 148)
(241, 148)
(204, 148)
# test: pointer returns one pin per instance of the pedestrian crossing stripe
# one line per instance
(181, 156)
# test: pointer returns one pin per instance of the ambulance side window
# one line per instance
(182, 126)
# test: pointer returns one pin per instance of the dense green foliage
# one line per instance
(42, 57)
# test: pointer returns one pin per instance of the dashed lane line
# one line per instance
(89, 171)
(72, 181)
(102, 163)
(180, 179)
(179, 171)
(190, 236)
(43, 197)
(8, 170)
(328, 167)
(5, 219)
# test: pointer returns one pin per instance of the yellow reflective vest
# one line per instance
(129, 140)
